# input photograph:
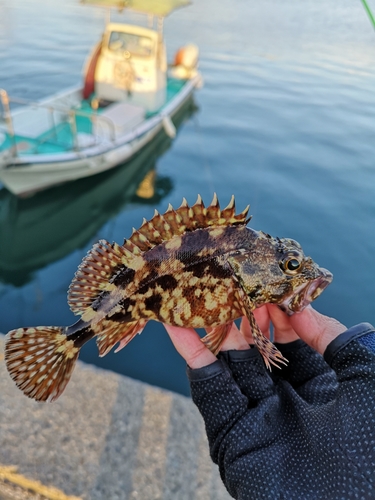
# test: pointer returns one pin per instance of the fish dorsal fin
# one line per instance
(105, 259)
(174, 220)
(95, 271)
(185, 218)
(162, 226)
(213, 215)
(140, 240)
(187, 215)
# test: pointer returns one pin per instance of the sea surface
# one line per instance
(285, 121)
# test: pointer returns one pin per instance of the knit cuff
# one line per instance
(354, 333)
(206, 372)
(290, 346)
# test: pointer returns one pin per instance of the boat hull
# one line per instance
(28, 174)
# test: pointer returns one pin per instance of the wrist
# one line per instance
(201, 359)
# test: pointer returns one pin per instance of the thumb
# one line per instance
(188, 343)
(316, 329)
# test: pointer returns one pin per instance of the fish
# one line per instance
(196, 266)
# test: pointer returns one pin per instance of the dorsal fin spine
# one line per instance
(213, 211)
(215, 201)
(229, 211)
(131, 248)
(162, 226)
(149, 231)
(187, 215)
(243, 215)
(140, 240)
(174, 220)
(199, 213)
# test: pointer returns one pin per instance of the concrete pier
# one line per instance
(108, 437)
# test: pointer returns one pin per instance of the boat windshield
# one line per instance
(136, 45)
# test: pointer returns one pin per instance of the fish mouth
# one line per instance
(306, 293)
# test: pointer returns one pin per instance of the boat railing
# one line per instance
(59, 116)
(7, 118)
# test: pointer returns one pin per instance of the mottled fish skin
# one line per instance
(186, 281)
(195, 267)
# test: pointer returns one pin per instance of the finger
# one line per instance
(308, 373)
(262, 317)
(250, 374)
(245, 329)
(316, 329)
(234, 340)
(283, 330)
(188, 343)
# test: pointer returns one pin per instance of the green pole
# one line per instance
(369, 13)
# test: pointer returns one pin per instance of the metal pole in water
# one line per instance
(369, 13)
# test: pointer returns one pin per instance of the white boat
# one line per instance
(57, 221)
(128, 95)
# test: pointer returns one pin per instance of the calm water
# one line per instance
(285, 121)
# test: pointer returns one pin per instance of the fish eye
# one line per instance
(291, 265)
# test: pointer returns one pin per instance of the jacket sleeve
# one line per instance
(352, 356)
(270, 434)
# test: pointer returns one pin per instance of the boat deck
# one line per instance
(59, 137)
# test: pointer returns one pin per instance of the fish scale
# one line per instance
(194, 266)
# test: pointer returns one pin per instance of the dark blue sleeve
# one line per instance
(305, 432)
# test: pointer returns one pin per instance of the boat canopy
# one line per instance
(158, 8)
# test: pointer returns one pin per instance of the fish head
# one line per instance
(276, 270)
(308, 280)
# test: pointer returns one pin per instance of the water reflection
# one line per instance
(37, 231)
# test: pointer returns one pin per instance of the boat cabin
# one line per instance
(132, 66)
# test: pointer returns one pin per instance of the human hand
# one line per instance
(314, 328)
(188, 343)
(281, 435)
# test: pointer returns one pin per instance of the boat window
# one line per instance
(140, 46)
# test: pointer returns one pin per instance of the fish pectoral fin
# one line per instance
(270, 353)
(216, 336)
(113, 332)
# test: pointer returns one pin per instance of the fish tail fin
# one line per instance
(40, 360)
